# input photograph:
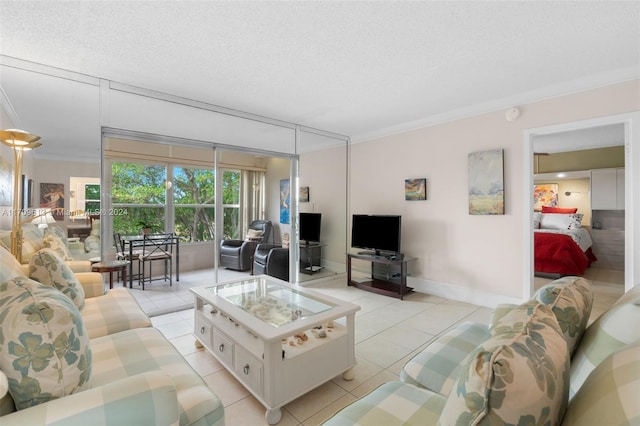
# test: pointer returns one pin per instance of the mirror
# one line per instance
(65, 108)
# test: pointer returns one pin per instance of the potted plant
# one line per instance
(146, 227)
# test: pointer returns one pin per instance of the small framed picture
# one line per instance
(304, 194)
(415, 189)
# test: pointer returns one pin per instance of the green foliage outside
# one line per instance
(139, 198)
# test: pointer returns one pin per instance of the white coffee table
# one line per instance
(279, 340)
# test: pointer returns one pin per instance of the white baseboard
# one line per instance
(461, 294)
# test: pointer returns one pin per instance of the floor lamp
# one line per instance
(19, 141)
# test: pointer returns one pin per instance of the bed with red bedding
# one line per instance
(558, 252)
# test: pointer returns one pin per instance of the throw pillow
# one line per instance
(611, 331)
(49, 269)
(95, 228)
(558, 221)
(547, 209)
(252, 234)
(520, 375)
(58, 232)
(571, 299)
(56, 244)
(44, 347)
(610, 394)
(31, 241)
(9, 266)
(91, 243)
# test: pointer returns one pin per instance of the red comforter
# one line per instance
(559, 254)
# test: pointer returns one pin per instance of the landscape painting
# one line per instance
(415, 189)
(486, 182)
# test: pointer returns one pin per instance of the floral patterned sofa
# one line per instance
(70, 354)
(537, 363)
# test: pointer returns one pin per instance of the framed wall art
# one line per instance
(304, 194)
(415, 189)
(285, 201)
(51, 197)
(486, 182)
(545, 195)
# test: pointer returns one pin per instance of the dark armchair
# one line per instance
(278, 263)
(271, 259)
(260, 257)
(238, 254)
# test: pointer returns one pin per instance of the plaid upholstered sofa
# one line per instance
(537, 363)
(55, 238)
(70, 354)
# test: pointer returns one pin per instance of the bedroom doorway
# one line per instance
(629, 123)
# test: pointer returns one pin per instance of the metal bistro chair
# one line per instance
(123, 253)
(157, 247)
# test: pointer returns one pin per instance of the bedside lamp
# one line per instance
(19, 141)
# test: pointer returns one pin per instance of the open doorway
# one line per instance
(631, 165)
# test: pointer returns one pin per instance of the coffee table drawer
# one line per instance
(223, 348)
(249, 369)
(202, 330)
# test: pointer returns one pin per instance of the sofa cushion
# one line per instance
(438, 365)
(519, 375)
(609, 396)
(141, 350)
(113, 312)
(393, 403)
(49, 269)
(571, 299)
(53, 242)
(44, 347)
(611, 331)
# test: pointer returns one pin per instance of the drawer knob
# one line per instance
(201, 330)
(221, 347)
(246, 369)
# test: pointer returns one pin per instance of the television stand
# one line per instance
(389, 283)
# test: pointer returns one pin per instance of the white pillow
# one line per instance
(554, 221)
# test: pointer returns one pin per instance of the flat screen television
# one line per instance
(310, 227)
(378, 233)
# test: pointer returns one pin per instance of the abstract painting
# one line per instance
(545, 195)
(486, 182)
(415, 189)
(285, 200)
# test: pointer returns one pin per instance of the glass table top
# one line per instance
(270, 301)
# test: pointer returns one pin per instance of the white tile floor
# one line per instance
(388, 333)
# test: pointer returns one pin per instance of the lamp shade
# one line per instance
(19, 138)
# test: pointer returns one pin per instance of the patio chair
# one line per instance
(157, 248)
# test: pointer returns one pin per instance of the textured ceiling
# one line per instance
(361, 69)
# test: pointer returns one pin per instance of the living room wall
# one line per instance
(480, 259)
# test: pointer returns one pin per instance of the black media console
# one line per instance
(388, 274)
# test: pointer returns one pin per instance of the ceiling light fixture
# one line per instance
(19, 141)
